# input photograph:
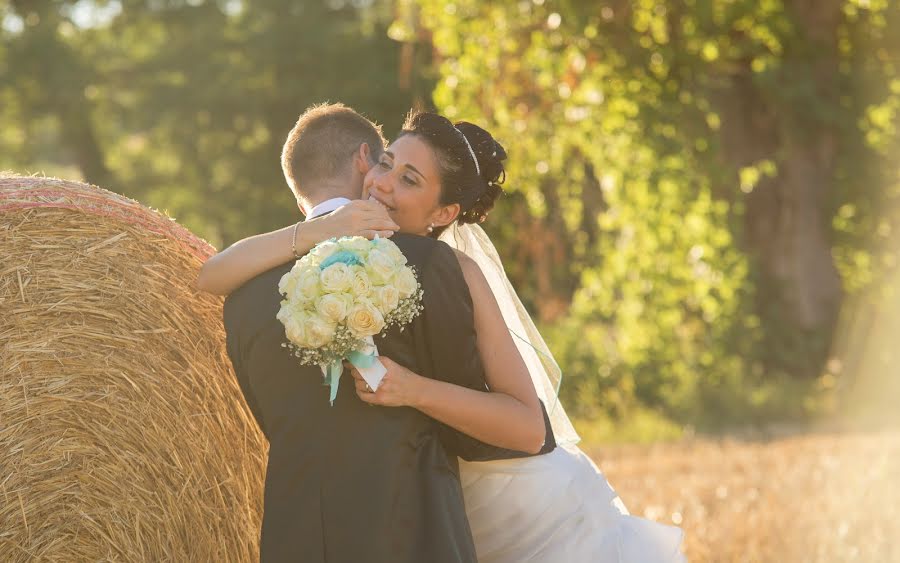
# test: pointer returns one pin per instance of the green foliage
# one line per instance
(677, 168)
(188, 103)
(644, 138)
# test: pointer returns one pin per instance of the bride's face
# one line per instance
(406, 180)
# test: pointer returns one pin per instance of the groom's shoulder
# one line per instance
(258, 290)
(419, 249)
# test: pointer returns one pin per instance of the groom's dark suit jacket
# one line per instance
(351, 482)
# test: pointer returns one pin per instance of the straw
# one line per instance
(123, 434)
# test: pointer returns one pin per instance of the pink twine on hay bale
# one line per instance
(21, 192)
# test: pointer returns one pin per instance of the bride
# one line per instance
(439, 179)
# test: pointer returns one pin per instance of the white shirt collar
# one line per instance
(327, 206)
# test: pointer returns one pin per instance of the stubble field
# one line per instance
(812, 498)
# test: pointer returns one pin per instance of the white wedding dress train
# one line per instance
(557, 507)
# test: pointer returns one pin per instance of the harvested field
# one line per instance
(813, 498)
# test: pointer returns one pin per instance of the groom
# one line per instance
(351, 482)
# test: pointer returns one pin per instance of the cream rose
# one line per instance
(380, 266)
(307, 286)
(357, 245)
(324, 249)
(294, 325)
(335, 278)
(333, 307)
(319, 331)
(296, 333)
(405, 282)
(287, 283)
(365, 320)
(360, 284)
(391, 249)
(387, 298)
(284, 313)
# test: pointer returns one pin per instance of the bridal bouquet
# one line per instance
(340, 295)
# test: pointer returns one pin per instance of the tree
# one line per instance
(184, 105)
(685, 162)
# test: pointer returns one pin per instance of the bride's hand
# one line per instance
(399, 388)
(365, 218)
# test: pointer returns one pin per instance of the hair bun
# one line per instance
(479, 210)
(490, 155)
(488, 151)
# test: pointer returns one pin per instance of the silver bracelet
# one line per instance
(294, 241)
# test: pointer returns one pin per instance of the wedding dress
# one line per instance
(553, 508)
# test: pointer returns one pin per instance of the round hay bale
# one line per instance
(123, 434)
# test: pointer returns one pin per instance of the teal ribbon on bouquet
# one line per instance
(344, 257)
(334, 370)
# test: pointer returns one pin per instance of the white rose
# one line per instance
(388, 247)
(387, 298)
(287, 283)
(319, 331)
(360, 284)
(294, 326)
(307, 285)
(406, 283)
(365, 320)
(357, 245)
(336, 278)
(324, 249)
(284, 312)
(333, 308)
(296, 333)
(380, 266)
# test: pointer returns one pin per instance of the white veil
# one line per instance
(544, 371)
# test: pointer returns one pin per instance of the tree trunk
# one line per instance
(786, 219)
(79, 137)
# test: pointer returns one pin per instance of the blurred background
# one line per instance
(703, 208)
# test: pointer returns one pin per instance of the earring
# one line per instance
(431, 227)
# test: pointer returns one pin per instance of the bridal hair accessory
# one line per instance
(471, 151)
(340, 295)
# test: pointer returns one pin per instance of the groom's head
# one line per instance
(328, 153)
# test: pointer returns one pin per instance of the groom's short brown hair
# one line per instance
(320, 145)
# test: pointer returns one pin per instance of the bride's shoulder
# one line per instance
(472, 273)
(444, 259)
(465, 261)
(468, 266)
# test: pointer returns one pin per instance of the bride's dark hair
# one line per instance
(474, 187)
